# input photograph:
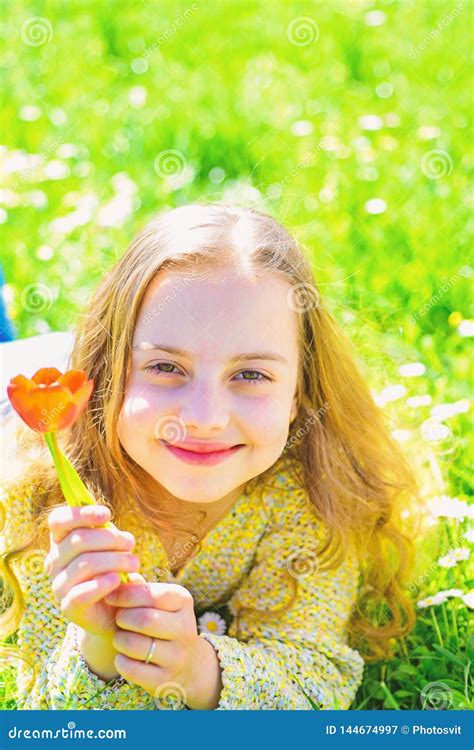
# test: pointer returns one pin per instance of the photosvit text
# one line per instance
(391, 729)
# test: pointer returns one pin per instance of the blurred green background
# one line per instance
(348, 121)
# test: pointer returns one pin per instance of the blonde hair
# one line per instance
(356, 478)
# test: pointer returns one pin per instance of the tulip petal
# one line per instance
(23, 382)
(67, 417)
(73, 379)
(22, 405)
(46, 376)
(82, 396)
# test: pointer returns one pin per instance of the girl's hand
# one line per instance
(182, 664)
(84, 564)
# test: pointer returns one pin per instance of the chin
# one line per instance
(193, 492)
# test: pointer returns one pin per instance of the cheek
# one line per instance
(267, 417)
(137, 413)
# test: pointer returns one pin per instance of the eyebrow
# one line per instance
(147, 346)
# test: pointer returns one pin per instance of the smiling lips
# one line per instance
(206, 454)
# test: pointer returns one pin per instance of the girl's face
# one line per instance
(233, 380)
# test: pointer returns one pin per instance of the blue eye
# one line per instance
(156, 369)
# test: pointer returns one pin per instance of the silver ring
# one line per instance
(151, 651)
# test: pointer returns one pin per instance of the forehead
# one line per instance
(238, 311)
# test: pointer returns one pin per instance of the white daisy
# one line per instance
(450, 507)
(454, 556)
(468, 599)
(431, 601)
(451, 592)
(211, 622)
(469, 535)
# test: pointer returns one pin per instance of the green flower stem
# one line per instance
(389, 697)
(455, 625)
(74, 489)
(445, 618)
(436, 627)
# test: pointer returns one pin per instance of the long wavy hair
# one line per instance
(356, 478)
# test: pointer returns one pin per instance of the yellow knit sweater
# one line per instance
(252, 558)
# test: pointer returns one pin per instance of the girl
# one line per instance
(254, 487)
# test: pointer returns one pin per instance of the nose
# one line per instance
(204, 409)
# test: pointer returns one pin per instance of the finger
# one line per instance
(147, 676)
(48, 563)
(136, 577)
(84, 540)
(88, 593)
(136, 646)
(153, 622)
(63, 519)
(89, 565)
(168, 596)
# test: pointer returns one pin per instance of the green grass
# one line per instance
(309, 132)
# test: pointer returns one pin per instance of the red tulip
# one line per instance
(50, 401)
